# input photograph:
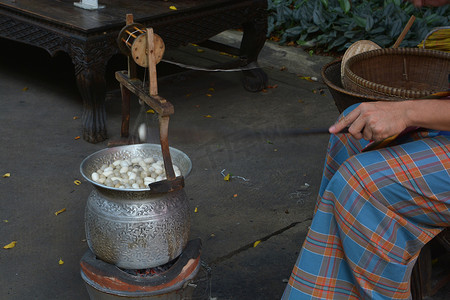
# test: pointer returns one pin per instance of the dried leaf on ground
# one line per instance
(77, 182)
(60, 262)
(307, 78)
(256, 243)
(150, 111)
(172, 7)
(77, 137)
(6, 175)
(227, 177)
(10, 245)
(60, 211)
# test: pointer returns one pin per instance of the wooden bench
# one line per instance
(89, 37)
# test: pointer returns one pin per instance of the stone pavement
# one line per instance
(270, 200)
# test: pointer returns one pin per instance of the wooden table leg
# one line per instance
(253, 40)
(90, 65)
(92, 86)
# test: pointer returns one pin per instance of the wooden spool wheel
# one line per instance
(132, 41)
(147, 49)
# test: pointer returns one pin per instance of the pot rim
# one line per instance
(99, 153)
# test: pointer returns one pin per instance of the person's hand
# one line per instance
(420, 3)
(374, 120)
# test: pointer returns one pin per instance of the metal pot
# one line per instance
(135, 228)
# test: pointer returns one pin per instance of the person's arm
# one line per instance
(379, 120)
(420, 3)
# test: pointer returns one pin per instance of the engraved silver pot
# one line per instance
(135, 228)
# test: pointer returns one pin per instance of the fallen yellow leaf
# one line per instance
(227, 177)
(150, 111)
(256, 243)
(76, 117)
(308, 78)
(77, 137)
(208, 116)
(77, 182)
(60, 211)
(172, 7)
(209, 95)
(10, 245)
(196, 210)
(25, 89)
(6, 175)
(6, 221)
(227, 54)
(200, 50)
(235, 195)
(211, 89)
(61, 262)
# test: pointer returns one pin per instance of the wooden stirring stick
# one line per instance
(404, 32)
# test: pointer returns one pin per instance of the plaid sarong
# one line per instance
(375, 211)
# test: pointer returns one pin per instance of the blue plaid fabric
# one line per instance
(374, 213)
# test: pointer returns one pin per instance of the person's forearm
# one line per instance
(420, 3)
(430, 113)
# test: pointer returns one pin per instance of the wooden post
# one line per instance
(132, 67)
(153, 81)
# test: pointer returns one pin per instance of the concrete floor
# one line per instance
(273, 205)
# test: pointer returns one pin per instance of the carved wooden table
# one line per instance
(89, 37)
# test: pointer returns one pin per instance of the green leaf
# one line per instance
(345, 5)
(369, 23)
(361, 22)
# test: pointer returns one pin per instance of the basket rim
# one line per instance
(347, 92)
(395, 92)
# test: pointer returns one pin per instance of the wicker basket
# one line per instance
(343, 98)
(402, 73)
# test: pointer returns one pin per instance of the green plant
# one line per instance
(333, 25)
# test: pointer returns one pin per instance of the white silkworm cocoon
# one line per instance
(142, 131)
(149, 160)
(132, 173)
(117, 179)
(95, 176)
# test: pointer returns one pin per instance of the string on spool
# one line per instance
(132, 34)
